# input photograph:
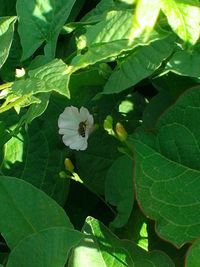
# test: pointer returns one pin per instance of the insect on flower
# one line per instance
(75, 126)
(82, 128)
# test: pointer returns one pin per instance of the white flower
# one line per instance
(75, 126)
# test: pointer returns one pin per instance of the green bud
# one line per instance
(69, 165)
(108, 125)
(121, 132)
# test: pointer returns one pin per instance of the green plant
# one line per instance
(126, 191)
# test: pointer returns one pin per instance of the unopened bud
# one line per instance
(121, 132)
(108, 125)
(69, 165)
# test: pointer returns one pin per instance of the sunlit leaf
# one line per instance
(45, 79)
(140, 64)
(41, 21)
(145, 18)
(101, 248)
(184, 18)
(6, 37)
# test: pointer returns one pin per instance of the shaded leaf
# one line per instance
(29, 208)
(7, 8)
(101, 8)
(185, 63)
(47, 248)
(119, 189)
(37, 109)
(167, 170)
(35, 156)
(139, 65)
(93, 164)
(155, 108)
(192, 259)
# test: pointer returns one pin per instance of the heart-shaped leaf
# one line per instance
(30, 209)
(47, 248)
(168, 170)
(101, 248)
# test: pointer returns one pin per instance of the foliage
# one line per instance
(132, 197)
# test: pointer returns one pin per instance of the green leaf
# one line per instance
(119, 189)
(49, 77)
(158, 104)
(93, 164)
(115, 26)
(6, 37)
(41, 21)
(173, 84)
(184, 18)
(8, 124)
(5, 135)
(37, 109)
(101, 8)
(192, 258)
(170, 87)
(145, 18)
(140, 64)
(106, 39)
(167, 170)
(7, 8)
(30, 209)
(45, 79)
(101, 248)
(34, 156)
(8, 71)
(85, 85)
(185, 63)
(47, 248)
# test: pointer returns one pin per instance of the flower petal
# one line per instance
(68, 124)
(84, 144)
(70, 140)
(84, 113)
(67, 132)
(65, 123)
(86, 116)
(80, 145)
(90, 121)
(71, 114)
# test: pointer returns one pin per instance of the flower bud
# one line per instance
(121, 132)
(108, 125)
(69, 165)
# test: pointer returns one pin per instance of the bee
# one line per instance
(82, 128)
